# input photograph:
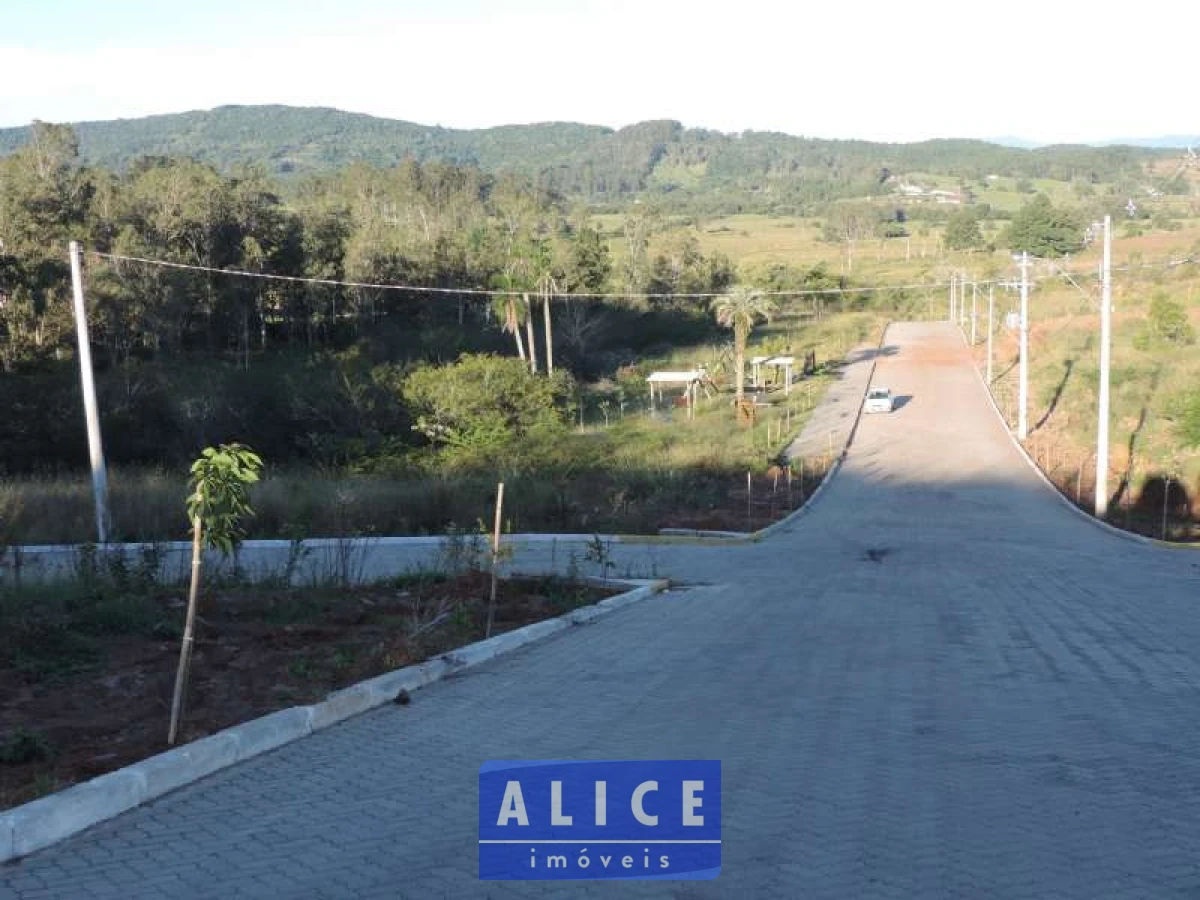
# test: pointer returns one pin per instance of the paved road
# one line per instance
(941, 683)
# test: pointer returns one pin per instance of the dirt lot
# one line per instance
(770, 499)
(82, 700)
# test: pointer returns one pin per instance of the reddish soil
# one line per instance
(771, 499)
(257, 651)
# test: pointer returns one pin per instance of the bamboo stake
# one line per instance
(1166, 498)
(189, 628)
(495, 559)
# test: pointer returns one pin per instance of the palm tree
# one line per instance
(740, 310)
(512, 313)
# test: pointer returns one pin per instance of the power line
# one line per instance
(489, 292)
(492, 292)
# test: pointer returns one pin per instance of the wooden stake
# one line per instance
(495, 559)
(189, 628)
(1166, 498)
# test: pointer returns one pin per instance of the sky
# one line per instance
(1047, 71)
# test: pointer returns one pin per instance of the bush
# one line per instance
(1187, 414)
(1168, 321)
(22, 746)
(486, 408)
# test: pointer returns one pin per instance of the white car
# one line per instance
(879, 400)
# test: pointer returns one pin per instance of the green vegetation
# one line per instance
(1045, 230)
(962, 232)
(1155, 423)
(392, 410)
(685, 167)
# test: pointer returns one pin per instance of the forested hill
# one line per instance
(586, 160)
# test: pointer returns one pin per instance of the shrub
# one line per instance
(484, 406)
(1168, 321)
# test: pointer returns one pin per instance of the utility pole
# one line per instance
(1022, 416)
(549, 334)
(951, 297)
(529, 333)
(90, 407)
(991, 302)
(1105, 359)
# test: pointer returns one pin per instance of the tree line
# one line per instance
(174, 346)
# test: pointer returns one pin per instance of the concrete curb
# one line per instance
(750, 537)
(41, 823)
(1037, 470)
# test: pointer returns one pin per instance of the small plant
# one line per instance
(218, 501)
(22, 746)
(342, 659)
(302, 668)
(461, 552)
(297, 554)
(600, 553)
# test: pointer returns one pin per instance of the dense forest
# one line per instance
(685, 167)
(304, 370)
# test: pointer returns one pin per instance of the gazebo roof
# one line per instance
(687, 377)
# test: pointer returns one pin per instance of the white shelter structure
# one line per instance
(756, 363)
(787, 363)
(691, 385)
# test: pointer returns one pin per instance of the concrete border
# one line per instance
(46, 821)
(1037, 470)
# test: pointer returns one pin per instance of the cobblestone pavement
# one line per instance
(940, 683)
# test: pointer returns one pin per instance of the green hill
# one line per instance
(769, 169)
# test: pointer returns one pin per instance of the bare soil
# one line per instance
(257, 651)
(770, 499)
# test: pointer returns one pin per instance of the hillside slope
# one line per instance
(577, 159)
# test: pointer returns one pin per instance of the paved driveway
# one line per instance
(940, 683)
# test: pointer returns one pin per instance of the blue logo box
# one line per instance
(552, 820)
